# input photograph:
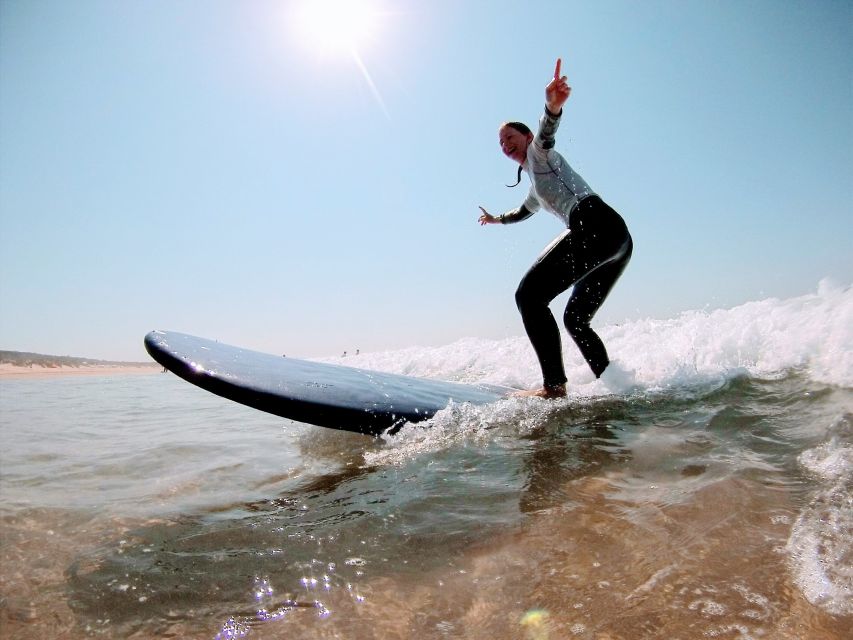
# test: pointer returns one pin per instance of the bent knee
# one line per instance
(527, 298)
(524, 295)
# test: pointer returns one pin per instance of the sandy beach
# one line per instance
(36, 371)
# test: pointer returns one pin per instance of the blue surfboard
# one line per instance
(326, 395)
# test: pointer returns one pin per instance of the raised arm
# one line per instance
(556, 93)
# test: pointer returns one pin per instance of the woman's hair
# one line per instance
(523, 129)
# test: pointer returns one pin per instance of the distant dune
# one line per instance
(18, 364)
(24, 359)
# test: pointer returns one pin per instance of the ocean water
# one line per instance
(702, 489)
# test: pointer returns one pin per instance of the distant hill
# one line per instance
(24, 359)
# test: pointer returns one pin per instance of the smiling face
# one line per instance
(514, 143)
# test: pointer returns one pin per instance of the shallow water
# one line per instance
(706, 492)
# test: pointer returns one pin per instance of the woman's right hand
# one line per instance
(557, 91)
(487, 218)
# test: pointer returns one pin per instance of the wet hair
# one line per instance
(523, 129)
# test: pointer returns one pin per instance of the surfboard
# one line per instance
(326, 395)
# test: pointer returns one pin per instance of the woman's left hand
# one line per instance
(557, 91)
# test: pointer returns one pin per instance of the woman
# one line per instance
(590, 255)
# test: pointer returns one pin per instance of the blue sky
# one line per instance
(202, 166)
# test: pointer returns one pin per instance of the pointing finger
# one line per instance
(557, 69)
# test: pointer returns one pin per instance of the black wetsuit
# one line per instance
(590, 256)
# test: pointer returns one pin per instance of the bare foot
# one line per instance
(545, 392)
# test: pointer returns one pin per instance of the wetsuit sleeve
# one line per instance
(548, 124)
(528, 208)
(516, 215)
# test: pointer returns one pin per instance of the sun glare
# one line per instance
(341, 26)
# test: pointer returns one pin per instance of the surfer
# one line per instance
(589, 256)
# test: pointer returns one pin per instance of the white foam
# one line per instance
(820, 546)
(764, 338)
(463, 423)
(767, 338)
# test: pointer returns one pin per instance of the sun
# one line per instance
(336, 26)
(340, 28)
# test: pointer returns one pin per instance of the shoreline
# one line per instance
(34, 371)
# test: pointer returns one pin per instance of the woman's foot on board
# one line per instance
(558, 391)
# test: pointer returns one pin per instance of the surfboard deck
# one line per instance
(327, 395)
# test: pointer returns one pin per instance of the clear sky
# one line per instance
(217, 168)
